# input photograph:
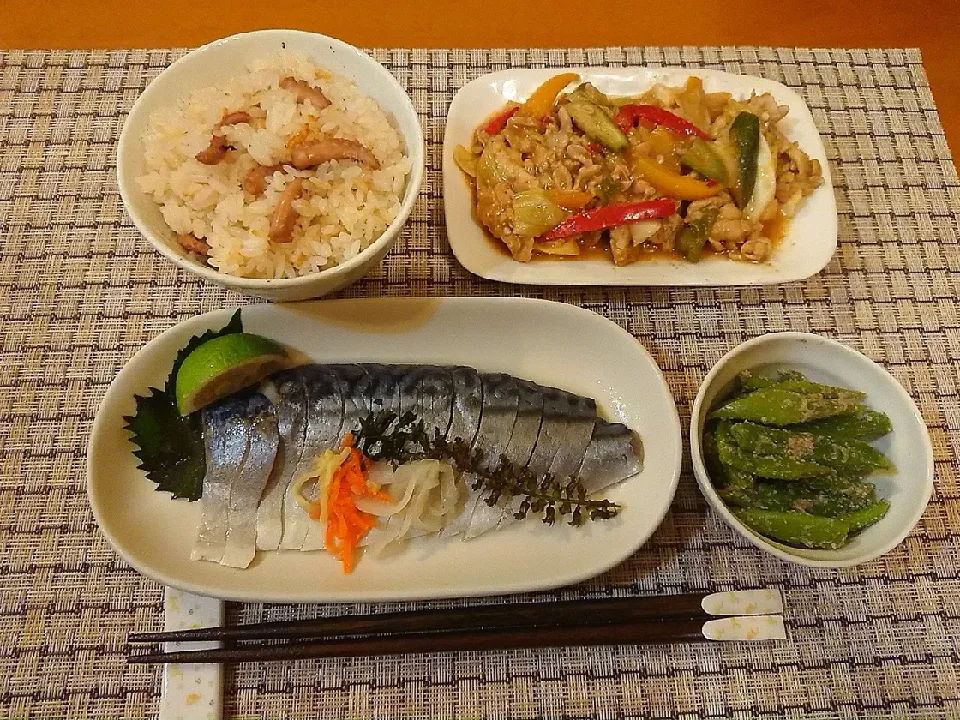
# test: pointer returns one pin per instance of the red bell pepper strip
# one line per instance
(629, 115)
(610, 216)
(499, 121)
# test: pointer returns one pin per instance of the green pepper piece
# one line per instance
(842, 482)
(711, 458)
(722, 476)
(704, 159)
(779, 468)
(597, 125)
(850, 456)
(865, 517)
(693, 236)
(863, 424)
(776, 406)
(738, 490)
(745, 133)
(828, 391)
(752, 380)
(836, 500)
(799, 496)
(797, 529)
(762, 496)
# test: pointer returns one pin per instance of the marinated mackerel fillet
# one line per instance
(241, 442)
(288, 394)
(258, 445)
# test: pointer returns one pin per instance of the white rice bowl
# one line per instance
(345, 206)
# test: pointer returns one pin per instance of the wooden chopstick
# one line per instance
(489, 617)
(649, 632)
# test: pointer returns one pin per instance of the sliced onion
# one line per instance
(644, 230)
(765, 188)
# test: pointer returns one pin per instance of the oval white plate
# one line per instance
(811, 237)
(550, 343)
(907, 446)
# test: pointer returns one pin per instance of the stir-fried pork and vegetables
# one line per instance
(676, 170)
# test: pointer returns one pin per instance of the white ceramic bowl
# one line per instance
(908, 446)
(214, 64)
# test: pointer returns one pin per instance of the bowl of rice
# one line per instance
(280, 164)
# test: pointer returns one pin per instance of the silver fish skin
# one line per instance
(289, 396)
(564, 418)
(247, 486)
(382, 387)
(519, 451)
(464, 425)
(467, 404)
(526, 429)
(501, 403)
(615, 453)
(427, 391)
(321, 403)
(566, 424)
(225, 447)
(409, 380)
(354, 383)
(484, 517)
(501, 400)
(435, 394)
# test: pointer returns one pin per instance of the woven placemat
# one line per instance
(80, 293)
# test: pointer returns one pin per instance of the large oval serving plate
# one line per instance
(550, 343)
(807, 247)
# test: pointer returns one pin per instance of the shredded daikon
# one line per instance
(426, 494)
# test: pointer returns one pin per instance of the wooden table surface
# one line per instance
(930, 25)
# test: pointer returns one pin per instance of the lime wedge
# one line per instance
(222, 366)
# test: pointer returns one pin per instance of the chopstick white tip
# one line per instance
(744, 602)
(752, 627)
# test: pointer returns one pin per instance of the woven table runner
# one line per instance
(80, 292)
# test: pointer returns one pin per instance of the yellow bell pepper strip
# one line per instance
(499, 121)
(674, 185)
(629, 115)
(539, 104)
(610, 216)
(665, 147)
(570, 199)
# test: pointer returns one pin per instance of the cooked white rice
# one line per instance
(345, 205)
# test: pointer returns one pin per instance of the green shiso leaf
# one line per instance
(170, 447)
